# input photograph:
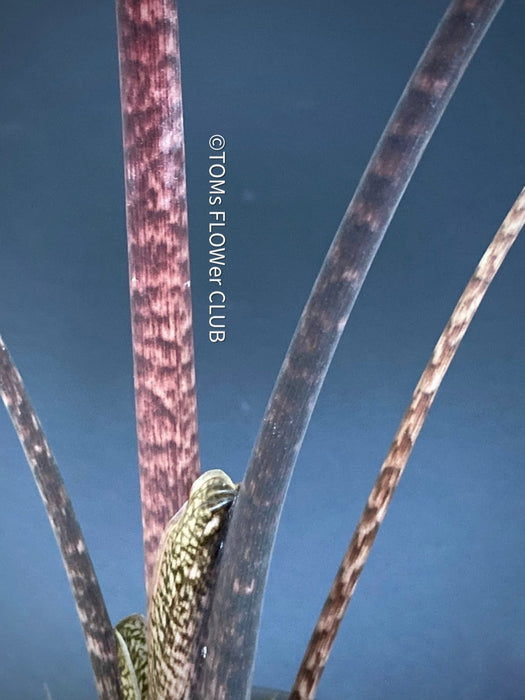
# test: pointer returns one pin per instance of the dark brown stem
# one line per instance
(159, 273)
(320, 645)
(98, 632)
(236, 607)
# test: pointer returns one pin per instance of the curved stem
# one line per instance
(236, 607)
(91, 609)
(320, 645)
(159, 272)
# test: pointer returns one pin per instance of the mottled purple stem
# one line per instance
(159, 272)
(320, 645)
(235, 614)
(98, 632)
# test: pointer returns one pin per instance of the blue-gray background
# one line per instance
(301, 92)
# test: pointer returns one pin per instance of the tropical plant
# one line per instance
(248, 329)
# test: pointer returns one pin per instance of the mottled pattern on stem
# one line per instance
(158, 663)
(318, 650)
(98, 632)
(133, 657)
(158, 262)
(183, 577)
(236, 607)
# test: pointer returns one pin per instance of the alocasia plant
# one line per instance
(311, 168)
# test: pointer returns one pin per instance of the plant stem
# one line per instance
(236, 607)
(320, 645)
(159, 272)
(91, 609)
